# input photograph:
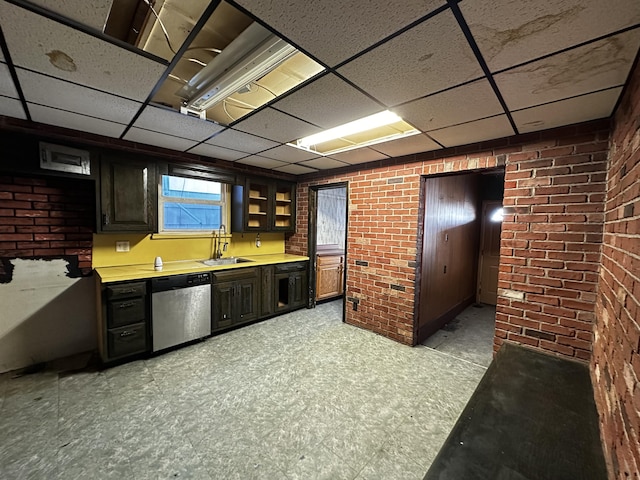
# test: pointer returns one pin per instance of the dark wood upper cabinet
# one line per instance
(128, 194)
(264, 206)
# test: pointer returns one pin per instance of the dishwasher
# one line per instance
(180, 309)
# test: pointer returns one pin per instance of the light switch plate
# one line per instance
(122, 246)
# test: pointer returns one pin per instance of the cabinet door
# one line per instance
(266, 292)
(247, 300)
(128, 195)
(223, 297)
(283, 203)
(297, 289)
(257, 211)
(329, 277)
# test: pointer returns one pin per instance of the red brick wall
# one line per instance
(46, 218)
(554, 187)
(615, 364)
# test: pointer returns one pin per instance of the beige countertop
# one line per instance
(138, 272)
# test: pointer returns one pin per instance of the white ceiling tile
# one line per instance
(11, 108)
(158, 139)
(289, 154)
(328, 102)
(586, 69)
(565, 112)
(334, 30)
(463, 104)
(276, 126)
(359, 155)
(430, 57)
(7, 87)
(217, 152)
(510, 32)
(240, 141)
(74, 121)
(56, 93)
(478, 131)
(295, 169)
(35, 41)
(262, 162)
(406, 146)
(324, 163)
(172, 122)
(93, 14)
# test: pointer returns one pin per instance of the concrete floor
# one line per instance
(300, 396)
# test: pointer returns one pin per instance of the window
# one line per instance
(191, 205)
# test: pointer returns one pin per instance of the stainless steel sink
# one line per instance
(215, 262)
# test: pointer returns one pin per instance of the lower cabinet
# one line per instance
(235, 297)
(290, 286)
(123, 313)
(329, 276)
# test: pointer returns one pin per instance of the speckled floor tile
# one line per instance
(320, 464)
(301, 395)
(469, 336)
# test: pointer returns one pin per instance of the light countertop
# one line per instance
(143, 271)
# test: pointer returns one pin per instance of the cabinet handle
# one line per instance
(131, 290)
(128, 333)
(127, 305)
(105, 219)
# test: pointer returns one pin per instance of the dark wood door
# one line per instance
(297, 289)
(489, 253)
(128, 195)
(247, 300)
(222, 305)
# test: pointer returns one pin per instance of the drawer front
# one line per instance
(125, 290)
(126, 311)
(290, 267)
(236, 274)
(330, 259)
(127, 340)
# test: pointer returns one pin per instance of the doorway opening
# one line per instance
(459, 260)
(328, 210)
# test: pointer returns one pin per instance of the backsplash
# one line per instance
(144, 248)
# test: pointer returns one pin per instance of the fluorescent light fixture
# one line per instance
(249, 57)
(361, 125)
(383, 127)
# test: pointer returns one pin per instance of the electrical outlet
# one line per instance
(122, 246)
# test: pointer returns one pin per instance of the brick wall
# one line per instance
(46, 218)
(615, 364)
(550, 249)
(554, 187)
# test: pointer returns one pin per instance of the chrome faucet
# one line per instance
(222, 230)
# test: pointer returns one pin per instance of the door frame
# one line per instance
(312, 241)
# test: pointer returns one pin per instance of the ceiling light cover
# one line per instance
(380, 127)
(252, 55)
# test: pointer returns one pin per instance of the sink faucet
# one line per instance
(222, 230)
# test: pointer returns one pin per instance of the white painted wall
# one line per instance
(44, 314)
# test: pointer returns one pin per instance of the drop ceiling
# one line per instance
(458, 71)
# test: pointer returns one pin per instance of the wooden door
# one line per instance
(489, 259)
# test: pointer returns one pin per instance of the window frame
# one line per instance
(224, 202)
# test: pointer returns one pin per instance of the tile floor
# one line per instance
(300, 396)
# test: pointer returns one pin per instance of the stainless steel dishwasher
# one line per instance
(180, 309)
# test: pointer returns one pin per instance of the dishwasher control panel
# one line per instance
(174, 282)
